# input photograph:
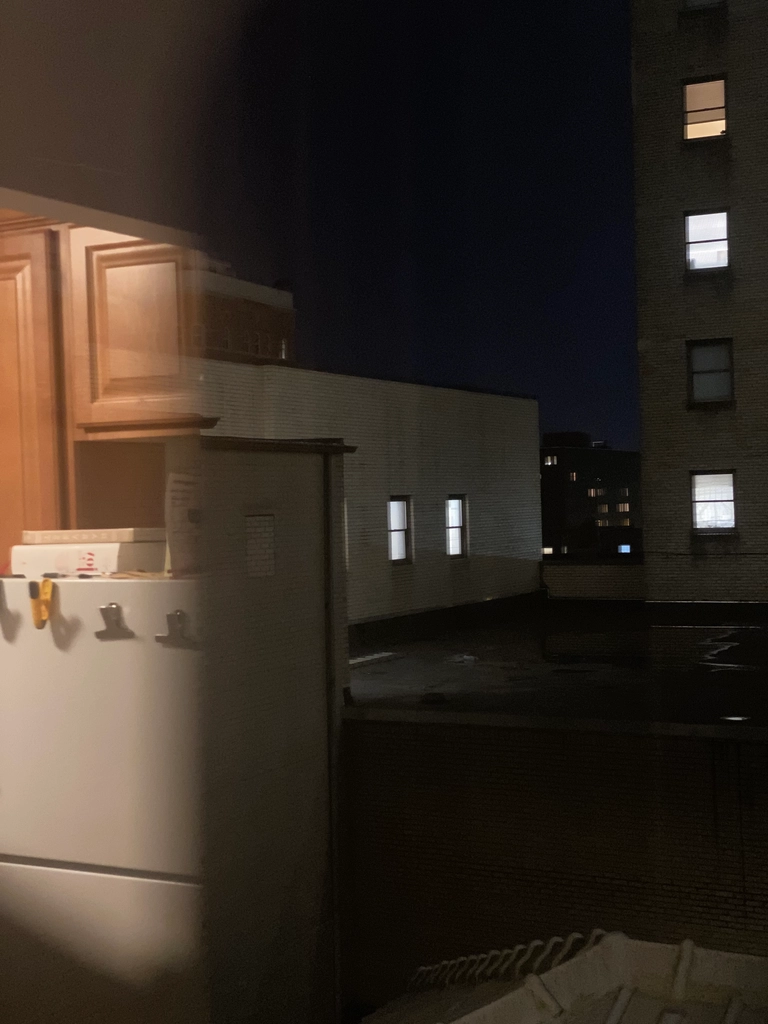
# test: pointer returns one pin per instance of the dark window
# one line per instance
(710, 371)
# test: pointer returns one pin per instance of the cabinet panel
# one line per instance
(29, 462)
(133, 311)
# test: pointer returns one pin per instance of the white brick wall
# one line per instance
(423, 441)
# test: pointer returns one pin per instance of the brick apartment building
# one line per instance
(701, 150)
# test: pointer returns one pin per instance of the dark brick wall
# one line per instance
(671, 178)
(464, 838)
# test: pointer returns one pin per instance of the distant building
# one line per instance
(590, 500)
(701, 218)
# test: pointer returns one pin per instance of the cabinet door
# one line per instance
(29, 463)
(133, 310)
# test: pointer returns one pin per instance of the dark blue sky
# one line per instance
(457, 181)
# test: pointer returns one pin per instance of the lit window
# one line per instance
(601, 522)
(602, 508)
(710, 368)
(713, 504)
(591, 492)
(550, 460)
(600, 492)
(623, 506)
(625, 549)
(704, 109)
(706, 240)
(564, 549)
(399, 525)
(625, 522)
(547, 551)
(572, 476)
(455, 526)
(624, 492)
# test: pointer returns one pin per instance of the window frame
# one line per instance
(713, 531)
(704, 271)
(701, 80)
(725, 403)
(408, 559)
(464, 534)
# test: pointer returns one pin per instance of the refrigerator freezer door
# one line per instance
(80, 946)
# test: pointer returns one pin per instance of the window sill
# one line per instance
(714, 531)
(715, 142)
(711, 406)
(714, 542)
(711, 12)
(722, 274)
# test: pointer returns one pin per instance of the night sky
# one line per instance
(448, 189)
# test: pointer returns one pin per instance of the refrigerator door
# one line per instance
(99, 761)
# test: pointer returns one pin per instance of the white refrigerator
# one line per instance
(100, 897)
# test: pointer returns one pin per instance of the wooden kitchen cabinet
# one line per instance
(30, 384)
(134, 323)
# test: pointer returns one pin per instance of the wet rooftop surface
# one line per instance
(576, 663)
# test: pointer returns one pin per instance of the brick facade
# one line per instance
(673, 177)
(469, 836)
(425, 442)
(594, 582)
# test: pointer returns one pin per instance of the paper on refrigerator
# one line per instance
(183, 501)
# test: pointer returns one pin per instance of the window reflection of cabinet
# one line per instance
(29, 456)
(96, 333)
(134, 313)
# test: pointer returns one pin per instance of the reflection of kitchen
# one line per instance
(100, 334)
(101, 337)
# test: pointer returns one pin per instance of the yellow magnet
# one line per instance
(41, 596)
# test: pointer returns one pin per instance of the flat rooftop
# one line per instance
(568, 665)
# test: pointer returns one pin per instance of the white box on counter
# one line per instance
(127, 534)
(35, 560)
